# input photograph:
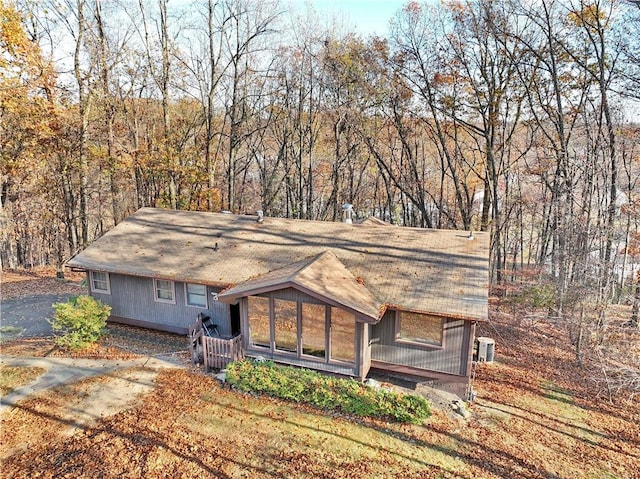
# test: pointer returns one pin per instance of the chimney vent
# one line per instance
(347, 213)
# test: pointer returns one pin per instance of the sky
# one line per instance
(367, 16)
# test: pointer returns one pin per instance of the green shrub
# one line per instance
(81, 321)
(326, 392)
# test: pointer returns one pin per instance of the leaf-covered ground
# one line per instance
(535, 417)
(21, 283)
(14, 377)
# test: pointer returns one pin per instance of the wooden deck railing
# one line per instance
(214, 353)
(217, 353)
(195, 343)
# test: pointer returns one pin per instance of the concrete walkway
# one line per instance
(60, 371)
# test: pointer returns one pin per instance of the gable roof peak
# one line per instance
(322, 276)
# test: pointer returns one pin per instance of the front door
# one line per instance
(234, 311)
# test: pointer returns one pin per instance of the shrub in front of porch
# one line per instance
(326, 392)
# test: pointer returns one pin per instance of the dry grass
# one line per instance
(535, 417)
(45, 347)
(524, 426)
(189, 427)
(13, 377)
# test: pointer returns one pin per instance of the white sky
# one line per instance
(366, 16)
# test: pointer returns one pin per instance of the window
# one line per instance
(164, 291)
(196, 295)
(100, 282)
(343, 335)
(259, 323)
(308, 331)
(313, 329)
(422, 329)
(286, 325)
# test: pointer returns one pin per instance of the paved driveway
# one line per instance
(27, 317)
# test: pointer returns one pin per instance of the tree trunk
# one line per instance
(83, 105)
(109, 114)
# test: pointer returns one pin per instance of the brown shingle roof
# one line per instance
(437, 271)
(372, 220)
(323, 276)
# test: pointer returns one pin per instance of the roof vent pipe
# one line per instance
(260, 216)
(347, 213)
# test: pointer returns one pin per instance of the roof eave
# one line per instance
(483, 318)
(147, 274)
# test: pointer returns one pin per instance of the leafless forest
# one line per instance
(518, 118)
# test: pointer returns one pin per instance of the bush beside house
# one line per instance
(326, 392)
(81, 321)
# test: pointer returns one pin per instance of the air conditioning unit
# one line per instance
(486, 349)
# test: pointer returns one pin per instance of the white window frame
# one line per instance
(186, 296)
(163, 300)
(92, 281)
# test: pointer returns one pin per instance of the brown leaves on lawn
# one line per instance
(535, 417)
(21, 283)
(514, 434)
(46, 347)
(539, 416)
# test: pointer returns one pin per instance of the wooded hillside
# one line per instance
(519, 118)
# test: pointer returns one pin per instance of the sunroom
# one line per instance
(313, 313)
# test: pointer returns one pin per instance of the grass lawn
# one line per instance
(535, 417)
(189, 426)
(13, 377)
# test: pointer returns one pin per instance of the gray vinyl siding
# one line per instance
(132, 298)
(291, 294)
(449, 359)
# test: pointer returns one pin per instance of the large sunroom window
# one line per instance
(306, 330)
(313, 329)
(286, 325)
(259, 322)
(343, 335)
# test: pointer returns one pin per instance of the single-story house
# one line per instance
(335, 297)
